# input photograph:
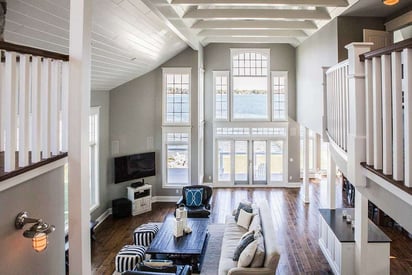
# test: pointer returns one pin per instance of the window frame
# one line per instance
(217, 74)
(175, 70)
(262, 51)
(169, 130)
(95, 111)
(286, 75)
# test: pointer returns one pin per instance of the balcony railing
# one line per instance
(33, 107)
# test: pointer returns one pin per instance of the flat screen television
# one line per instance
(133, 167)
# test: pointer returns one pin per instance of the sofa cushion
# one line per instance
(244, 219)
(247, 254)
(242, 245)
(246, 206)
(259, 256)
(255, 223)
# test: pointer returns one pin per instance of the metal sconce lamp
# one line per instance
(390, 2)
(38, 231)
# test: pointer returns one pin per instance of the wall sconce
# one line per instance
(38, 232)
(390, 2)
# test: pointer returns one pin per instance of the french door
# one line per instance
(251, 161)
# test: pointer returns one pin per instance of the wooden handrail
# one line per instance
(397, 47)
(33, 51)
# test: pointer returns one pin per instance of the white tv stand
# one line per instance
(141, 198)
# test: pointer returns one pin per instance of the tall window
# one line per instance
(94, 157)
(250, 70)
(176, 127)
(93, 167)
(176, 96)
(221, 86)
(279, 94)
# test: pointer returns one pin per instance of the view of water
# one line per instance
(250, 106)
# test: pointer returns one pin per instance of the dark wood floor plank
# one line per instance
(296, 224)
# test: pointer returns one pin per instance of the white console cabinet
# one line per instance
(141, 198)
(337, 242)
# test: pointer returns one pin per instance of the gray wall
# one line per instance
(217, 57)
(42, 197)
(324, 49)
(102, 99)
(317, 51)
(135, 115)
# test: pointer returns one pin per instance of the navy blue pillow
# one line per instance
(194, 197)
(242, 245)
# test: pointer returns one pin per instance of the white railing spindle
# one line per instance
(35, 107)
(65, 106)
(386, 115)
(377, 112)
(54, 107)
(23, 103)
(398, 127)
(407, 88)
(10, 119)
(2, 99)
(45, 108)
(369, 112)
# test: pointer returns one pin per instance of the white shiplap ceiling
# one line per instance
(258, 21)
(128, 38)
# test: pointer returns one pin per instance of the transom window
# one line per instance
(176, 95)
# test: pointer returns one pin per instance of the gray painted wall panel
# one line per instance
(135, 114)
(42, 197)
(317, 51)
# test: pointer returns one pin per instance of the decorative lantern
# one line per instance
(178, 227)
(181, 213)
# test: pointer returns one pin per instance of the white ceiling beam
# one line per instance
(318, 3)
(165, 12)
(281, 40)
(253, 33)
(256, 24)
(318, 13)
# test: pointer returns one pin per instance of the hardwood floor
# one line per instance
(296, 225)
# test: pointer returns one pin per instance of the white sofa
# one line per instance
(231, 237)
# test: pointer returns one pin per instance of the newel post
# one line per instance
(357, 103)
(357, 149)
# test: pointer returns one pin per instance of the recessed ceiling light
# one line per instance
(390, 2)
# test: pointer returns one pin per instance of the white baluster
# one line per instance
(339, 101)
(407, 88)
(55, 107)
(10, 120)
(2, 111)
(377, 112)
(23, 102)
(369, 112)
(45, 108)
(386, 115)
(35, 108)
(65, 105)
(397, 116)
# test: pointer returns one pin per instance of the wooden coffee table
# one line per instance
(188, 249)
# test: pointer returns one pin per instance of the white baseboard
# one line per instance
(294, 184)
(165, 198)
(103, 216)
